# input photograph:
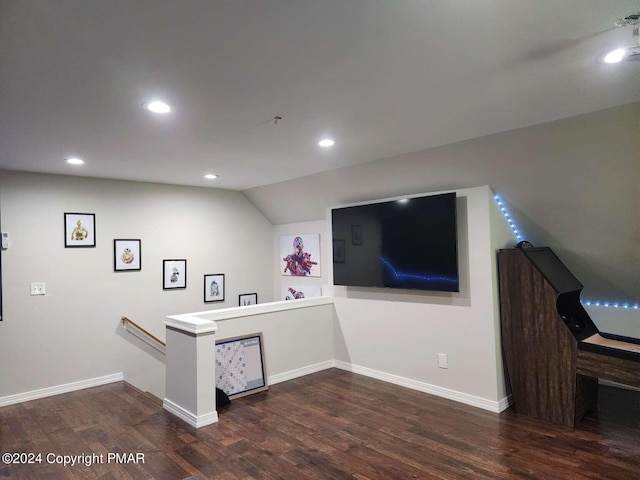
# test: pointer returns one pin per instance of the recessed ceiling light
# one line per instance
(74, 161)
(326, 142)
(210, 176)
(615, 56)
(158, 107)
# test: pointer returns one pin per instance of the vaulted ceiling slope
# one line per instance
(572, 184)
(381, 77)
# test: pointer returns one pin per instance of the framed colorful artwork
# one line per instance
(79, 230)
(298, 292)
(127, 255)
(300, 255)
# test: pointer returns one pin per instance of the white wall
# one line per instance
(298, 335)
(73, 333)
(397, 335)
(619, 321)
(393, 335)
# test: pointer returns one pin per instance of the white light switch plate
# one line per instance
(442, 360)
(38, 288)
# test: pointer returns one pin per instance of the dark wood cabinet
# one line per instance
(539, 349)
(553, 350)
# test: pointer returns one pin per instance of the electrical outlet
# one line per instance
(38, 288)
(442, 360)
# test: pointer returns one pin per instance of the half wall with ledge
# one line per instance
(298, 338)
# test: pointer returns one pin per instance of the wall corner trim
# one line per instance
(192, 419)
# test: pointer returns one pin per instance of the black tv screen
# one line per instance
(406, 244)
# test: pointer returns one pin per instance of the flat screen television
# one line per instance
(405, 244)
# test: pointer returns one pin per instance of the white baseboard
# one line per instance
(300, 372)
(212, 417)
(465, 398)
(505, 403)
(58, 389)
(187, 416)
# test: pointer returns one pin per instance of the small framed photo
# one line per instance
(240, 365)
(79, 230)
(338, 251)
(127, 255)
(174, 274)
(214, 287)
(248, 299)
(356, 234)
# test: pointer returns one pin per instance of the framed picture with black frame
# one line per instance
(174, 274)
(79, 230)
(214, 287)
(245, 299)
(240, 365)
(127, 255)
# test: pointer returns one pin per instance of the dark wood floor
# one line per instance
(329, 425)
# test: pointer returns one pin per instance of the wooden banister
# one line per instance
(126, 320)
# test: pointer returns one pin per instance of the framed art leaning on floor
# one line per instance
(240, 365)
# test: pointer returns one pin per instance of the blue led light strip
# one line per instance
(596, 303)
(416, 276)
(513, 226)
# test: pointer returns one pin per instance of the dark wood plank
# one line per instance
(608, 367)
(332, 424)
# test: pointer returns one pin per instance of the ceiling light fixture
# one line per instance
(74, 161)
(158, 107)
(326, 142)
(627, 53)
(614, 56)
(210, 176)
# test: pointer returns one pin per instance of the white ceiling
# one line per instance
(382, 77)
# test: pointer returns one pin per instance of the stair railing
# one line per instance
(144, 335)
